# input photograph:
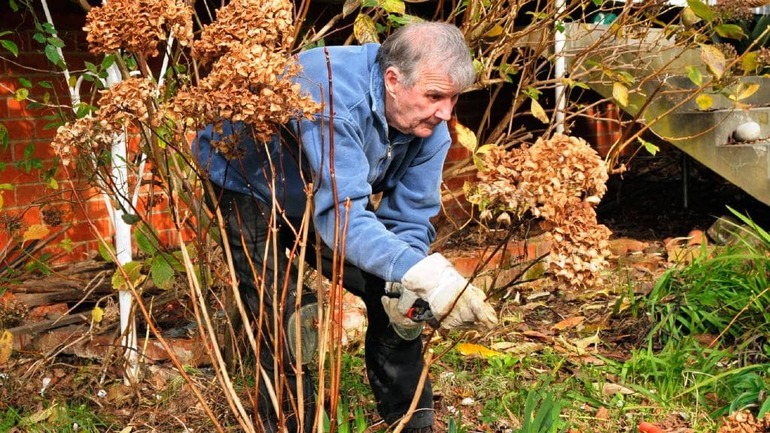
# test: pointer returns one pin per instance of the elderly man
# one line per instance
(383, 130)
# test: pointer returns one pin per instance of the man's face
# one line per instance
(418, 109)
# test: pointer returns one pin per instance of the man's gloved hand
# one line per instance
(396, 305)
(452, 300)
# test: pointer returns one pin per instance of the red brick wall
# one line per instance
(28, 200)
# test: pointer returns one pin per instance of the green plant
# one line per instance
(723, 293)
(69, 417)
(542, 410)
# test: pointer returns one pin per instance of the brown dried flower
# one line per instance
(248, 48)
(124, 106)
(558, 180)
(244, 23)
(137, 25)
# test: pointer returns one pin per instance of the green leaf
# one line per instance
(6, 186)
(25, 82)
(130, 276)
(144, 243)
(45, 84)
(107, 252)
(161, 272)
(108, 61)
(53, 55)
(130, 218)
(91, 67)
(702, 10)
(55, 41)
(649, 147)
(694, 75)
(10, 46)
(730, 31)
(3, 137)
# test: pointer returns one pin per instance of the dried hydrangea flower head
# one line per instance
(137, 26)
(249, 50)
(558, 180)
(123, 107)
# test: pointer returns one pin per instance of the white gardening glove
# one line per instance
(454, 302)
(397, 306)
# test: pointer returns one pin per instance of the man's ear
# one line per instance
(391, 77)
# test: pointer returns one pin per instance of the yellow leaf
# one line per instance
(538, 112)
(6, 346)
(36, 232)
(470, 349)
(568, 323)
(704, 101)
(495, 31)
(364, 29)
(97, 314)
(620, 93)
(38, 417)
(744, 91)
(394, 6)
(714, 59)
(465, 137)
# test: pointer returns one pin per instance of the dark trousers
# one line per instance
(393, 365)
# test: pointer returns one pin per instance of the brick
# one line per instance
(35, 193)
(5, 112)
(20, 129)
(84, 230)
(40, 149)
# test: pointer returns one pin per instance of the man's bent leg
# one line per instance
(249, 235)
(393, 365)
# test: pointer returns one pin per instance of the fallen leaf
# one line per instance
(610, 389)
(645, 427)
(6, 346)
(568, 323)
(524, 348)
(471, 349)
(602, 413)
(39, 416)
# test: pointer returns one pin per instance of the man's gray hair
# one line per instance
(434, 45)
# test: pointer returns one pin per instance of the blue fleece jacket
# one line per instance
(386, 242)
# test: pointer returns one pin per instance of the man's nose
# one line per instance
(444, 109)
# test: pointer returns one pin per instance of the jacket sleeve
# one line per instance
(342, 190)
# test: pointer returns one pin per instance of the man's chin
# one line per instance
(424, 131)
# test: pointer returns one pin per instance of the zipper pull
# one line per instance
(390, 150)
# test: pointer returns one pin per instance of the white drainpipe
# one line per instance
(560, 63)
